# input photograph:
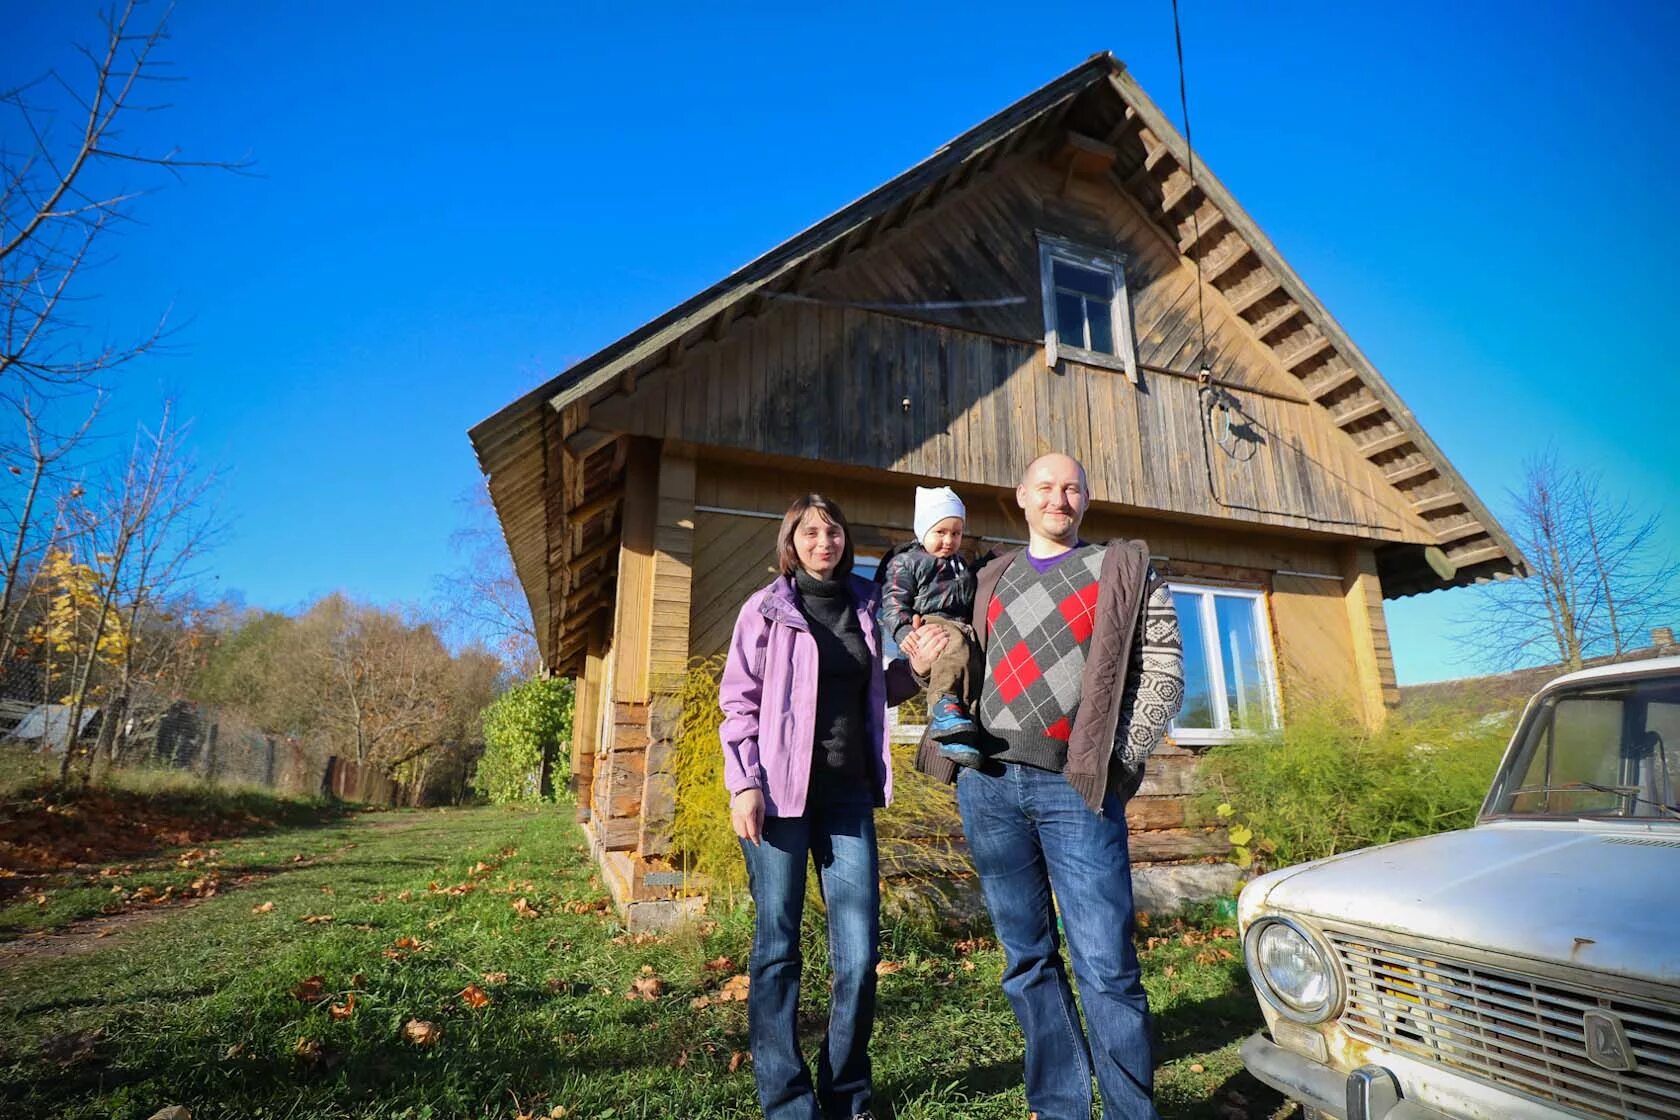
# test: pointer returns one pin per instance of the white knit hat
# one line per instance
(933, 505)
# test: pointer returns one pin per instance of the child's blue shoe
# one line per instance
(954, 731)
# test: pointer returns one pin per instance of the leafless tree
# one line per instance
(151, 523)
(1601, 576)
(482, 598)
(34, 519)
(66, 189)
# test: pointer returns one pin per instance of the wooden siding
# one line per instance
(829, 383)
(633, 618)
(1315, 649)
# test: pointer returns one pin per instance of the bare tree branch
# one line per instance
(1601, 577)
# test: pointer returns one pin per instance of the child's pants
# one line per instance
(960, 670)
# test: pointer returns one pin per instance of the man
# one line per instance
(1084, 672)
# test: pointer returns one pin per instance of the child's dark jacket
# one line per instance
(916, 582)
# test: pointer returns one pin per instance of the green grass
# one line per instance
(197, 1007)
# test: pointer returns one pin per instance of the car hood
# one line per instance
(1579, 894)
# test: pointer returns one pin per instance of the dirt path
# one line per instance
(90, 934)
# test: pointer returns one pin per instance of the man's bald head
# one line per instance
(1053, 493)
(1056, 462)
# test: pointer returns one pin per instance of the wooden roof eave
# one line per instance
(1132, 94)
(586, 377)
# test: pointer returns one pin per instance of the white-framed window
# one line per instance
(1087, 315)
(1230, 676)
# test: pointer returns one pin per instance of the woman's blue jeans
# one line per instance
(839, 836)
(1030, 835)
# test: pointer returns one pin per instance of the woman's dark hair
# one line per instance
(787, 557)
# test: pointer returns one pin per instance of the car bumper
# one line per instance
(1368, 1093)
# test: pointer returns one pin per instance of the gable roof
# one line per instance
(1239, 264)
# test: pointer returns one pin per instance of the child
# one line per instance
(929, 579)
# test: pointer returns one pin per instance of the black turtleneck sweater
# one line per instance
(840, 757)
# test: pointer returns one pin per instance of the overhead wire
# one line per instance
(1213, 397)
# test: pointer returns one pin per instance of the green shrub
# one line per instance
(523, 721)
(1325, 784)
(922, 808)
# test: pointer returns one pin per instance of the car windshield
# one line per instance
(1598, 750)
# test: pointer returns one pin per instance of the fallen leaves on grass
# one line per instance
(635, 939)
(265, 908)
(402, 946)
(719, 964)
(524, 909)
(312, 989)
(343, 1010)
(737, 1059)
(422, 1033)
(648, 986)
(473, 996)
(404, 896)
(308, 1050)
(734, 990)
(592, 906)
(887, 968)
(495, 977)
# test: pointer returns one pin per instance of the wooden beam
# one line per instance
(1462, 532)
(1406, 470)
(1362, 596)
(1175, 189)
(1206, 218)
(1085, 156)
(582, 596)
(1304, 353)
(1343, 417)
(633, 618)
(584, 442)
(1251, 291)
(1480, 556)
(1335, 376)
(1385, 443)
(586, 512)
(1157, 153)
(1275, 318)
(1436, 502)
(578, 564)
(1225, 256)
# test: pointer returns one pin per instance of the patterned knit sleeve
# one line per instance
(1154, 680)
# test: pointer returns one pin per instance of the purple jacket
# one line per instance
(769, 697)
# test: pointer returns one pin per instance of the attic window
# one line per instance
(1086, 314)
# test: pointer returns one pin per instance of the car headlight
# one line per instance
(1291, 971)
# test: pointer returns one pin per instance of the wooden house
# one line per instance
(1053, 279)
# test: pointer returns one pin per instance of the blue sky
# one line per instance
(455, 203)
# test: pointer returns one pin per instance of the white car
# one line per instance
(1528, 967)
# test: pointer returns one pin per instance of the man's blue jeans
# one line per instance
(840, 838)
(1030, 835)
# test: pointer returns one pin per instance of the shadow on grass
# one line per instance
(1207, 1024)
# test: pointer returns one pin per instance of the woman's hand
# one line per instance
(746, 813)
(924, 646)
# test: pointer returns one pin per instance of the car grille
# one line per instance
(1514, 1030)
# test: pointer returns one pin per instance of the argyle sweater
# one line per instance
(1040, 633)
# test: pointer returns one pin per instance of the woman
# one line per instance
(807, 763)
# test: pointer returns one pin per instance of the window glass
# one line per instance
(1245, 669)
(1577, 744)
(1085, 281)
(1070, 319)
(1101, 317)
(1198, 710)
(1664, 719)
